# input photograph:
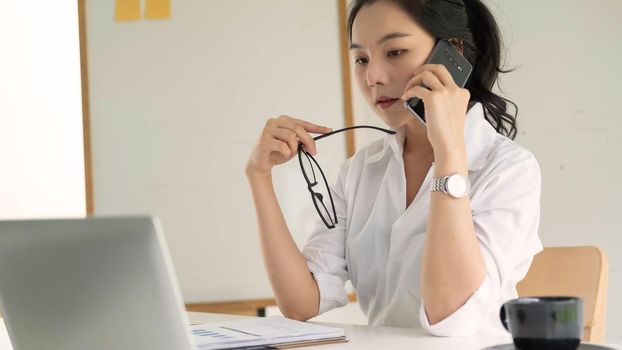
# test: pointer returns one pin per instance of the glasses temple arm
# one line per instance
(353, 127)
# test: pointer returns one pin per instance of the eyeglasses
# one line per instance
(320, 190)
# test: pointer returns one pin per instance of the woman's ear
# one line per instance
(458, 44)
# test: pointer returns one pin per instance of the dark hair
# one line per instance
(473, 23)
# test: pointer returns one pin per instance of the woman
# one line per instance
(417, 254)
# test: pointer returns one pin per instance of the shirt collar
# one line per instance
(479, 139)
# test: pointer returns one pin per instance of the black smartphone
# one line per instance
(460, 69)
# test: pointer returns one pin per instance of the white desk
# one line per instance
(361, 337)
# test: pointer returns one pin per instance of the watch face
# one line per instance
(458, 186)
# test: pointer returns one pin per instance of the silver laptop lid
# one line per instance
(102, 283)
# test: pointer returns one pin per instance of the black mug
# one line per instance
(538, 323)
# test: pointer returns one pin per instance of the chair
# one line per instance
(572, 271)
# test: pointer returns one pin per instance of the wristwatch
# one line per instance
(456, 185)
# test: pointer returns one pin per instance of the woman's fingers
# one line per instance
(433, 76)
(280, 147)
(280, 140)
(316, 129)
(287, 136)
(442, 74)
(426, 78)
(302, 129)
(417, 91)
(286, 121)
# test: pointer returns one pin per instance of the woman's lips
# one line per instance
(386, 103)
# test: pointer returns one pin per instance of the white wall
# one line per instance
(567, 89)
(176, 106)
(41, 147)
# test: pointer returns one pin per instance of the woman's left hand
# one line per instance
(445, 106)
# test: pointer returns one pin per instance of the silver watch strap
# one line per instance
(438, 184)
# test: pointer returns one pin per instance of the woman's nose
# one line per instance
(376, 74)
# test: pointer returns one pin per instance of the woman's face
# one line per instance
(387, 47)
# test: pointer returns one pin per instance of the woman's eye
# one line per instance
(393, 53)
(360, 60)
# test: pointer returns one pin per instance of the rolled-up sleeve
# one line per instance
(506, 219)
(325, 252)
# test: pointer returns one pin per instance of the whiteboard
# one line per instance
(176, 107)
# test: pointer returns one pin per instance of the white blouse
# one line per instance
(378, 242)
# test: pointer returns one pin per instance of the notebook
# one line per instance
(274, 331)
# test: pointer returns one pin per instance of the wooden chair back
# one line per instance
(572, 271)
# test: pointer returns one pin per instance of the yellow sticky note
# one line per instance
(158, 9)
(127, 10)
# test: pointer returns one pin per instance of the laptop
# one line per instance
(97, 283)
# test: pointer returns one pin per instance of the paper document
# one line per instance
(260, 331)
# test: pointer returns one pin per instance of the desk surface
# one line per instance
(361, 337)
(368, 337)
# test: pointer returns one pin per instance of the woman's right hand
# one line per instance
(279, 141)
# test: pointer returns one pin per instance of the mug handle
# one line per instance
(504, 320)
